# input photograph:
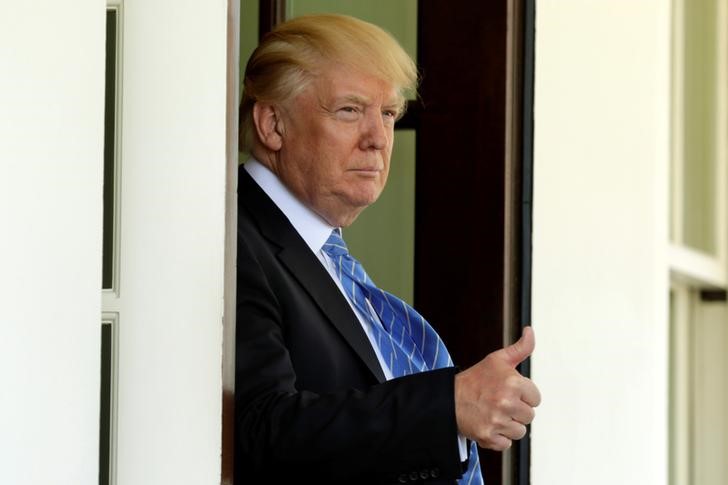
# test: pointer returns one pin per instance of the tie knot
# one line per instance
(335, 245)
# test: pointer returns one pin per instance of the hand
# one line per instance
(493, 402)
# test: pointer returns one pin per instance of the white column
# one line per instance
(600, 279)
(170, 297)
(51, 161)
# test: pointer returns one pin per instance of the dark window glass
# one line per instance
(109, 143)
(105, 402)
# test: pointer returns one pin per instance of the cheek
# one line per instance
(383, 178)
(387, 155)
(388, 150)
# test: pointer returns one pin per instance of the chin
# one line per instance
(366, 196)
(351, 204)
(347, 219)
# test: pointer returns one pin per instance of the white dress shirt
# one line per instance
(315, 231)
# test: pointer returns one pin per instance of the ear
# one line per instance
(268, 125)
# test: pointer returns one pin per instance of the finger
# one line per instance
(497, 443)
(530, 393)
(523, 414)
(516, 353)
(514, 431)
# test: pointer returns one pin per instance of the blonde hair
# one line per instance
(289, 57)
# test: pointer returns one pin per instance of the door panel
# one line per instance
(167, 294)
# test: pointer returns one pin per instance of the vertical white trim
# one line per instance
(110, 297)
(112, 318)
(118, 5)
(109, 294)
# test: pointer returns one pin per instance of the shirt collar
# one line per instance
(309, 225)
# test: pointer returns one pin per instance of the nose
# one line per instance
(375, 131)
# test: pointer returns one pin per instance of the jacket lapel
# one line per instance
(295, 255)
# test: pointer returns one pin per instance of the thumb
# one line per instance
(516, 353)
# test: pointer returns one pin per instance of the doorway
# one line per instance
(464, 170)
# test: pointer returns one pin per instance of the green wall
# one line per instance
(700, 115)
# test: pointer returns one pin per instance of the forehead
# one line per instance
(335, 81)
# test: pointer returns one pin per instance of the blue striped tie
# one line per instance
(406, 341)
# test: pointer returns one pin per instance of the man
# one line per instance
(336, 380)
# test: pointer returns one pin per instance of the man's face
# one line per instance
(336, 142)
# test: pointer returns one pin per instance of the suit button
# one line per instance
(424, 474)
(402, 478)
(414, 476)
(435, 472)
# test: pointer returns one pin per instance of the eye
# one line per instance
(390, 113)
(349, 113)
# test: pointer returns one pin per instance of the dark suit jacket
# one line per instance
(311, 402)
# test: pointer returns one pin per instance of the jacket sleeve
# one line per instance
(403, 427)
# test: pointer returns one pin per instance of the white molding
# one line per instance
(696, 268)
(112, 318)
(117, 5)
(111, 303)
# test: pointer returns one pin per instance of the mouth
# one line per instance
(367, 172)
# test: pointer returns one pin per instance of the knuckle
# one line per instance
(513, 381)
(483, 433)
(505, 403)
(499, 421)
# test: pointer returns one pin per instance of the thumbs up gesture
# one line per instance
(493, 402)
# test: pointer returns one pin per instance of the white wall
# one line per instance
(51, 152)
(600, 283)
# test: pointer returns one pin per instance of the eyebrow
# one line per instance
(356, 99)
(363, 101)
